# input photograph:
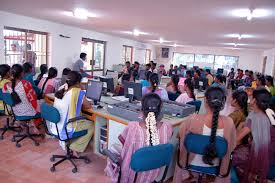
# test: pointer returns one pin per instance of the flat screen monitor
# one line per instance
(94, 90)
(132, 90)
(108, 84)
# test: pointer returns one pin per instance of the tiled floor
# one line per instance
(31, 164)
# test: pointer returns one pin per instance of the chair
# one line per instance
(24, 120)
(54, 118)
(147, 158)
(6, 127)
(173, 96)
(198, 148)
(271, 173)
(197, 104)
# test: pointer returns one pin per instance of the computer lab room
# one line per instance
(146, 91)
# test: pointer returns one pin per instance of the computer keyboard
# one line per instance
(120, 98)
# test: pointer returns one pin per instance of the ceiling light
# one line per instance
(239, 37)
(249, 13)
(81, 13)
(175, 45)
(235, 45)
(136, 32)
(161, 40)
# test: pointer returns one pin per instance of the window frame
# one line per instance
(125, 53)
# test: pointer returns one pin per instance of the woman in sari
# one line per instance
(28, 76)
(69, 101)
(49, 84)
(211, 124)
(149, 132)
(5, 78)
(23, 95)
(252, 161)
(154, 80)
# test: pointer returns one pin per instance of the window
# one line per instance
(95, 51)
(184, 59)
(22, 45)
(226, 62)
(206, 60)
(148, 56)
(127, 54)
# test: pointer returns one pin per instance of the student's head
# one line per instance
(232, 69)
(128, 64)
(188, 75)
(197, 74)
(260, 81)
(151, 109)
(43, 69)
(241, 71)
(83, 56)
(246, 72)
(269, 81)
(215, 101)
(73, 80)
(175, 80)
(189, 88)
(52, 73)
(251, 74)
(17, 74)
(5, 71)
(218, 78)
(66, 71)
(261, 100)
(171, 66)
(153, 66)
(29, 47)
(161, 67)
(175, 67)
(148, 67)
(154, 80)
(28, 68)
(151, 63)
(207, 71)
(240, 99)
(136, 65)
(147, 75)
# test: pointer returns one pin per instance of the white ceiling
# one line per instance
(186, 22)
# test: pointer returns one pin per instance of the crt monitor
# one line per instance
(132, 90)
(220, 71)
(94, 89)
(108, 84)
(201, 84)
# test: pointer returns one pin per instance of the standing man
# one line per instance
(79, 65)
(209, 77)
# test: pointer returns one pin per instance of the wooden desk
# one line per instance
(115, 126)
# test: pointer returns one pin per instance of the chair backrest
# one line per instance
(151, 157)
(195, 143)
(50, 113)
(1, 96)
(7, 99)
(173, 96)
(196, 103)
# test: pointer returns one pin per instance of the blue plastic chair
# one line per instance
(7, 126)
(147, 158)
(23, 119)
(196, 144)
(271, 173)
(197, 104)
(51, 115)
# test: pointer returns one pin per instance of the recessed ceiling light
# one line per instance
(136, 32)
(235, 45)
(175, 45)
(240, 36)
(249, 14)
(81, 13)
(161, 40)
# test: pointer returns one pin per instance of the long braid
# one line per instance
(16, 72)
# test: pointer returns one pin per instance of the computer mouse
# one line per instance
(99, 107)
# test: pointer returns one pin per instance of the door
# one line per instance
(95, 51)
(264, 64)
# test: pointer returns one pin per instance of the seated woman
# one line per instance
(260, 82)
(28, 75)
(5, 78)
(69, 102)
(172, 86)
(43, 71)
(187, 91)
(219, 82)
(212, 124)
(49, 84)
(146, 82)
(252, 160)
(22, 93)
(239, 102)
(154, 80)
(270, 85)
(149, 132)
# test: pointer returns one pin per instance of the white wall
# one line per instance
(248, 59)
(63, 52)
(270, 61)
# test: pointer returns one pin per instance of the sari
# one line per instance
(2, 83)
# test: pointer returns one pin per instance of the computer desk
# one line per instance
(116, 125)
